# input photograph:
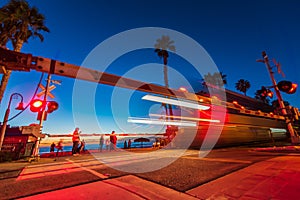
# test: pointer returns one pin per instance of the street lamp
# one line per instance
(4, 123)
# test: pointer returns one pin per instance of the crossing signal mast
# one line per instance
(285, 86)
(38, 105)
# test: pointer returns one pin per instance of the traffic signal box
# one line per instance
(266, 92)
(52, 106)
(38, 105)
(287, 87)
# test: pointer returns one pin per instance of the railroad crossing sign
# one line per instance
(52, 87)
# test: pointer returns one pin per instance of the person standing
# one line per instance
(52, 147)
(101, 142)
(113, 141)
(107, 144)
(81, 148)
(129, 143)
(75, 140)
(59, 147)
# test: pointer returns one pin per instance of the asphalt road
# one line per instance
(181, 173)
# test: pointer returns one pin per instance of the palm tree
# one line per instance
(18, 23)
(161, 48)
(224, 79)
(215, 79)
(242, 85)
(3, 37)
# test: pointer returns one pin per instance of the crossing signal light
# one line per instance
(287, 87)
(264, 92)
(293, 88)
(270, 93)
(52, 106)
(36, 105)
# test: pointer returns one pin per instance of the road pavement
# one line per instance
(232, 173)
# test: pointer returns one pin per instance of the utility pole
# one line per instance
(294, 136)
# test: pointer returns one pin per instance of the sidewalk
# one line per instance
(276, 178)
(126, 188)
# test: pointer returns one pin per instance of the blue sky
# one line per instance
(234, 33)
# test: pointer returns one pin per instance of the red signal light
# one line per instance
(270, 94)
(36, 105)
(293, 89)
(52, 106)
(287, 86)
(264, 91)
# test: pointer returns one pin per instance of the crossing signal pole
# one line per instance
(294, 136)
(42, 114)
(39, 106)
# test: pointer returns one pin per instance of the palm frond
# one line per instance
(20, 22)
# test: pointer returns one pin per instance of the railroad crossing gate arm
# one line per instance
(17, 61)
(25, 62)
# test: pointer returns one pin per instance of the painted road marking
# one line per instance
(219, 160)
(88, 170)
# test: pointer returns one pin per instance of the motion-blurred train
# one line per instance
(242, 125)
(245, 122)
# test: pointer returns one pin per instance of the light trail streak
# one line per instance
(175, 102)
(160, 122)
(187, 118)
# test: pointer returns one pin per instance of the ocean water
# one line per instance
(120, 144)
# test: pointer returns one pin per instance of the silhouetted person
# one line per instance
(113, 141)
(75, 139)
(125, 144)
(107, 144)
(59, 147)
(81, 148)
(101, 142)
(52, 146)
(129, 144)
